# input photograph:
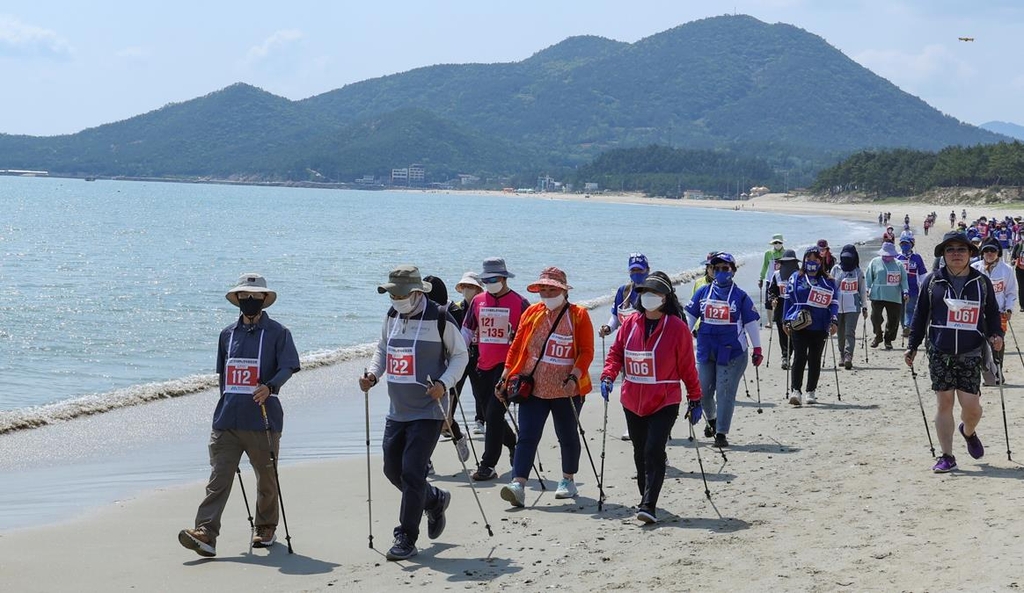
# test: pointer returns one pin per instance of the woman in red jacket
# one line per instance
(654, 350)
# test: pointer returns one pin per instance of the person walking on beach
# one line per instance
(554, 348)
(952, 218)
(888, 289)
(420, 357)
(827, 259)
(725, 311)
(957, 312)
(469, 286)
(626, 299)
(770, 262)
(1018, 270)
(777, 295)
(916, 269)
(255, 358)
(1004, 286)
(811, 315)
(491, 322)
(439, 295)
(849, 280)
(655, 352)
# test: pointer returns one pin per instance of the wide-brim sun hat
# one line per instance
(251, 283)
(788, 255)
(888, 250)
(494, 267)
(550, 277)
(403, 281)
(954, 237)
(468, 279)
(776, 238)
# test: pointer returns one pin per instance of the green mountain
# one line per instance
(726, 83)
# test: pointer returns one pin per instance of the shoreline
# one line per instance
(833, 496)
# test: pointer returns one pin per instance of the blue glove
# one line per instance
(694, 411)
(606, 388)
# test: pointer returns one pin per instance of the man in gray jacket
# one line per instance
(422, 355)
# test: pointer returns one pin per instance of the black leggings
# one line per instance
(808, 346)
(497, 431)
(649, 436)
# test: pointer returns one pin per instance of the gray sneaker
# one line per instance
(463, 447)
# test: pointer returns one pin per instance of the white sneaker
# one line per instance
(796, 398)
(811, 398)
(479, 428)
(463, 447)
(566, 489)
(625, 436)
(514, 494)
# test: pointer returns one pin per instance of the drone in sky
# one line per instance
(966, 38)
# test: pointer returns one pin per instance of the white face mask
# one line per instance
(652, 301)
(406, 306)
(554, 302)
(494, 288)
(469, 293)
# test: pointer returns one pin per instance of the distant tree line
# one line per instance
(903, 172)
(668, 172)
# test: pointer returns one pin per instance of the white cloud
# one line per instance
(21, 39)
(272, 44)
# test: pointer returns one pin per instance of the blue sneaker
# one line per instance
(974, 446)
(403, 548)
(944, 464)
(436, 521)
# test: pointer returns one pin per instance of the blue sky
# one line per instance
(67, 65)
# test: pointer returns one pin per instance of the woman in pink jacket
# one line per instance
(654, 350)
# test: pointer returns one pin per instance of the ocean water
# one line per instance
(112, 296)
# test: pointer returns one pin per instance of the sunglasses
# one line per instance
(251, 296)
(493, 280)
(957, 250)
(399, 298)
(722, 268)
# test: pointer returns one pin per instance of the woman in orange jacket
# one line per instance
(654, 349)
(554, 347)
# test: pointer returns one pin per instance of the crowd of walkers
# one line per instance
(668, 356)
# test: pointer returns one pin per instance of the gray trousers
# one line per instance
(847, 334)
(226, 448)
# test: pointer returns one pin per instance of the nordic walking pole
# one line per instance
(696, 447)
(252, 526)
(472, 447)
(1002, 402)
(465, 470)
(745, 388)
(277, 478)
(586, 447)
(768, 358)
(865, 336)
(604, 434)
(757, 378)
(369, 496)
(920, 402)
(835, 367)
(515, 425)
(1015, 344)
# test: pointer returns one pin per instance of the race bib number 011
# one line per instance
(241, 375)
(848, 285)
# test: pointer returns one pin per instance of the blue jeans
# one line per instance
(723, 381)
(533, 414)
(407, 449)
(908, 310)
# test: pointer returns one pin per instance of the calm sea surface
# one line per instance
(112, 294)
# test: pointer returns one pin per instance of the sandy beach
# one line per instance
(834, 497)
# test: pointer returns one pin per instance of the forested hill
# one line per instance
(730, 83)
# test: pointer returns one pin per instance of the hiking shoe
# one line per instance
(875, 342)
(709, 428)
(265, 536)
(625, 436)
(796, 398)
(514, 494)
(848, 363)
(403, 548)
(974, 446)
(785, 365)
(566, 489)
(479, 429)
(462, 445)
(646, 516)
(435, 518)
(430, 468)
(721, 441)
(446, 436)
(888, 345)
(199, 541)
(944, 464)
(811, 397)
(483, 473)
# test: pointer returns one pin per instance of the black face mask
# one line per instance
(250, 307)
